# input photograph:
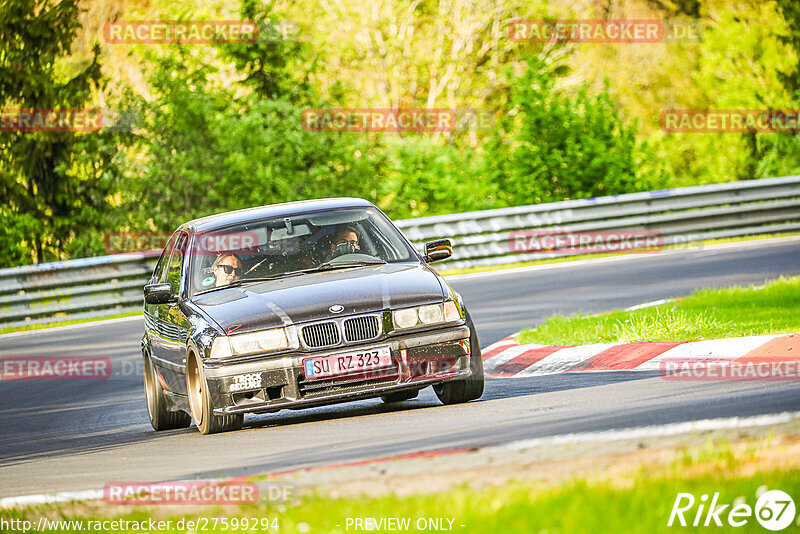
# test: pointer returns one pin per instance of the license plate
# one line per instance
(347, 363)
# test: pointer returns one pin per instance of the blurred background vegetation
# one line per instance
(208, 128)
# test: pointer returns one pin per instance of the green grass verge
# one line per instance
(639, 501)
(564, 259)
(707, 314)
(10, 329)
(576, 507)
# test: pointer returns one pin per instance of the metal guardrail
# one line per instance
(113, 284)
(74, 289)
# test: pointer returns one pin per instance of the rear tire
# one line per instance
(200, 402)
(400, 396)
(471, 388)
(161, 418)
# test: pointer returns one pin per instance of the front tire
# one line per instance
(471, 388)
(200, 402)
(161, 418)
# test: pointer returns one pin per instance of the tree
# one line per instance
(423, 177)
(554, 146)
(790, 10)
(51, 183)
(212, 146)
(269, 64)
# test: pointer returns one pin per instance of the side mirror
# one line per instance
(438, 250)
(159, 294)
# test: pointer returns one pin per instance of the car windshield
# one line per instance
(294, 245)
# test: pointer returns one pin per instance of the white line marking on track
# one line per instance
(648, 304)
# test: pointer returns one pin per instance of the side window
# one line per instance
(160, 272)
(174, 271)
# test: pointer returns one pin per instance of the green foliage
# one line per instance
(424, 177)
(53, 184)
(270, 64)
(749, 75)
(17, 229)
(790, 10)
(779, 154)
(208, 152)
(553, 146)
(220, 124)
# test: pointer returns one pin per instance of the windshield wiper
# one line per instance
(239, 283)
(328, 266)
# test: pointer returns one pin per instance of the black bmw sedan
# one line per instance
(298, 305)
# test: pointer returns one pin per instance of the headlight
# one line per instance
(431, 314)
(239, 344)
(426, 315)
(406, 318)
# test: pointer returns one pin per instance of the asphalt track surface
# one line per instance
(76, 435)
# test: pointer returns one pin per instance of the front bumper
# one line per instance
(418, 360)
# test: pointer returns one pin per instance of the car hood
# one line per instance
(308, 297)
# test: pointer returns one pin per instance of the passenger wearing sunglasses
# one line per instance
(226, 269)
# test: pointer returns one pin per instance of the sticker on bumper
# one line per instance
(243, 382)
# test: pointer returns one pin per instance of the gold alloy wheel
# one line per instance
(149, 388)
(195, 392)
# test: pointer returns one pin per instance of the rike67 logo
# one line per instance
(774, 510)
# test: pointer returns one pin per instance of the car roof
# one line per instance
(221, 220)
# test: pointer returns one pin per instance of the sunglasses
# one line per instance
(229, 269)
